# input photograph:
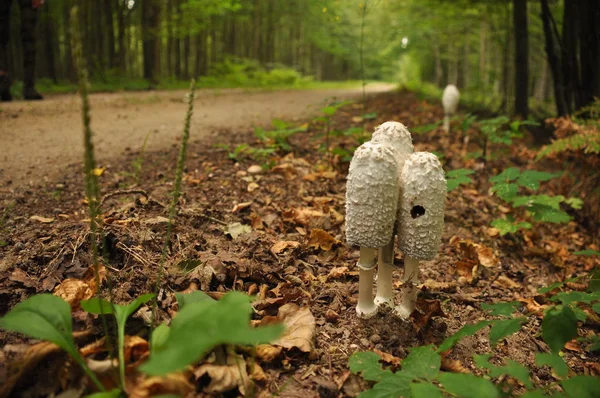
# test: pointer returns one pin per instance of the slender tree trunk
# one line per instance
(554, 60)
(521, 58)
(151, 40)
(482, 54)
(589, 51)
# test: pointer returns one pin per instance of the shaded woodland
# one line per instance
(511, 55)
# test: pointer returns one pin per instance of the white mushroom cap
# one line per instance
(396, 134)
(421, 214)
(450, 99)
(371, 196)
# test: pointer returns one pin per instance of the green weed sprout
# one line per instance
(121, 312)
(542, 208)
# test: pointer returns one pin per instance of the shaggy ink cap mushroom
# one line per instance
(396, 134)
(450, 99)
(371, 196)
(421, 215)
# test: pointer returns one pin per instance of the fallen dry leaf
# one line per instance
(427, 309)
(477, 252)
(281, 245)
(321, 239)
(388, 358)
(304, 216)
(337, 272)
(286, 169)
(21, 367)
(98, 171)
(452, 365)
(252, 187)
(225, 377)
(532, 305)
(73, 291)
(236, 229)
(241, 206)
(172, 384)
(41, 219)
(506, 282)
(267, 352)
(299, 325)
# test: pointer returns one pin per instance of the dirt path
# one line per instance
(40, 138)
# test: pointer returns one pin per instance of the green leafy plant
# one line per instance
(277, 138)
(203, 324)
(326, 118)
(420, 375)
(455, 178)
(121, 312)
(542, 208)
(467, 121)
(47, 317)
(500, 130)
(425, 128)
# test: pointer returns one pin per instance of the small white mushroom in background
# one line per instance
(420, 221)
(397, 136)
(450, 99)
(371, 208)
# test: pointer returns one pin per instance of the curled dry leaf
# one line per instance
(436, 286)
(20, 368)
(388, 358)
(532, 305)
(252, 187)
(281, 245)
(73, 291)
(427, 310)
(135, 350)
(330, 175)
(172, 384)
(337, 272)
(286, 169)
(304, 216)
(321, 239)
(225, 377)
(41, 219)
(98, 171)
(506, 282)
(241, 206)
(267, 352)
(452, 365)
(257, 373)
(476, 252)
(300, 327)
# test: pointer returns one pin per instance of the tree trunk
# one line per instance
(521, 58)
(554, 60)
(589, 51)
(151, 40)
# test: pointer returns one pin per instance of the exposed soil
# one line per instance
(294, 252)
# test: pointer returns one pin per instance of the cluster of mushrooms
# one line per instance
(393, 191)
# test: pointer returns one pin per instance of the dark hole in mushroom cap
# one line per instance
(417, 211)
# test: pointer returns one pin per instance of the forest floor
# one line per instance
(275, 231)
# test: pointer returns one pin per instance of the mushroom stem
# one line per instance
(446, 122)
(385, 293)
(409, 290)
(366, 307)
